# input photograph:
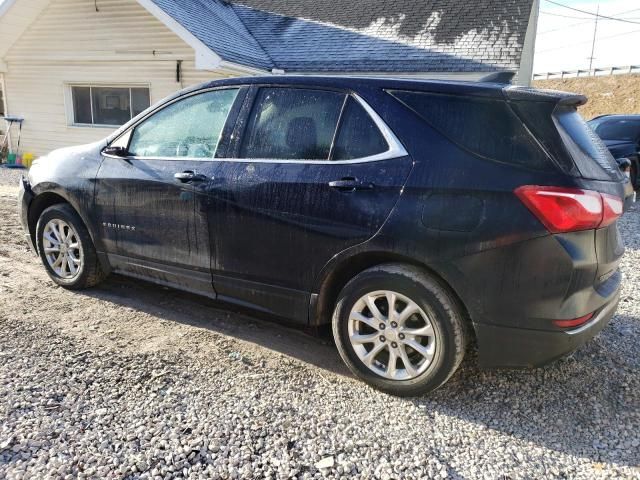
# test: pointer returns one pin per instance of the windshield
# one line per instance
(619, 130)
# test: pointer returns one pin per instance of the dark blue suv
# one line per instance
(621, 135)
(414, 216)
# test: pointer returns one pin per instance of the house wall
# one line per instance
(71, 42)
(16, 17)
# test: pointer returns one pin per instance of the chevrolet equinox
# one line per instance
(413, 216)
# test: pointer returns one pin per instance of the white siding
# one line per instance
(72, 43)
(16, 17)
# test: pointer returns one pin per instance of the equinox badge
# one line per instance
(117, 226)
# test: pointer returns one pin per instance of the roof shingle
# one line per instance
(360, 35)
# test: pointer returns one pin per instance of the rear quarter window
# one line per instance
(488, 128)
(358, 136)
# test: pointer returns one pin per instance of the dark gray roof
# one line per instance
(360, 35)
(215, 24)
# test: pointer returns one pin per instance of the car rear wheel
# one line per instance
(66, 249)
(399, 329)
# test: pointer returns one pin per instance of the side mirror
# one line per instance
(113, 151)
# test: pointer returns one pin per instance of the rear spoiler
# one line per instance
(526, 94)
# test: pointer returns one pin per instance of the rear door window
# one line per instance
(292, 123)
(485, 127)
(358, 136)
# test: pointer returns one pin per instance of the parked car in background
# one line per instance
(409, 215)
(621, 135)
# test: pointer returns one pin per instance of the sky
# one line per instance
(564, 42)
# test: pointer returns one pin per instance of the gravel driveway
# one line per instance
(131, 380)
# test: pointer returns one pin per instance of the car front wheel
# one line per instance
(66, 249)
(399, 329)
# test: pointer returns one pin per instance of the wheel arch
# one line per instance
(334, 280)
(38, 205)
(45, 199)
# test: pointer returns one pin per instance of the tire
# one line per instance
(443, 351)
(88, 270)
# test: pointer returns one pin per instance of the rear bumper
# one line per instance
(25, 196)
(500, 346)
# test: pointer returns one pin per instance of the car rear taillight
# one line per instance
(613, 207)
(562, 209)
(574, 322)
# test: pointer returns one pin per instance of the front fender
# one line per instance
(70, 174)
(78, 199)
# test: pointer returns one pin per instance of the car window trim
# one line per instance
(395, 148)
(338, 125)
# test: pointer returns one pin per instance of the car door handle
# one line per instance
(350, 184)
(189, 176)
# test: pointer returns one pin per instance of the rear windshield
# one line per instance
(628, 130)
(587, 149)
(487, 128)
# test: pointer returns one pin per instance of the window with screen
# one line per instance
(292, 123)
(188, 128)
(109, 106)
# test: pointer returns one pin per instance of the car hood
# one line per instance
(66, 162)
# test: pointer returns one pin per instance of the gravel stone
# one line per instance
(11, 176)
(131, 381)
(326, 462)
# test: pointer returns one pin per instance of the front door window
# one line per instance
(188, 128)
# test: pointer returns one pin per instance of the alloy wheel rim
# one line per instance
(391, 335)
(62, 249)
